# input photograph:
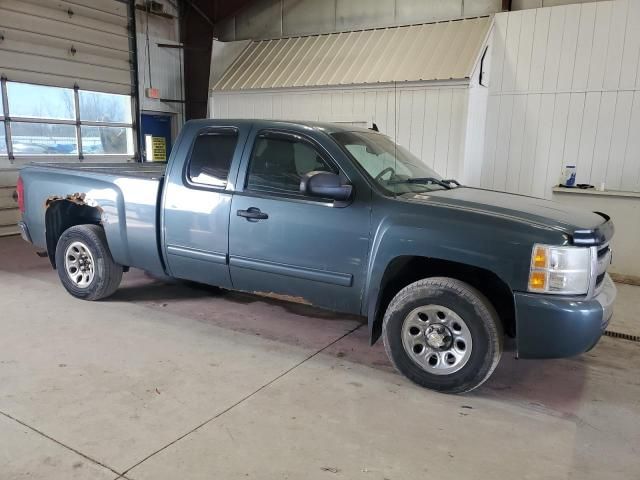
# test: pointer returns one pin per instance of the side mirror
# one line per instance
(325, 184)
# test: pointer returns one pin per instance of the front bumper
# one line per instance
(549, 326)
(24, 232)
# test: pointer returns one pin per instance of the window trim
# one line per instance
(293, 136)
(76, 122)
(186, 180)
(6, 118)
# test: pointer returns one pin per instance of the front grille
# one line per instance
(603, 261)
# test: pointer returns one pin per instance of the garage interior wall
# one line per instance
(280, 18)
(428, 120)
(564, 89)
(83, 43)
(364, 77)
(159, 65)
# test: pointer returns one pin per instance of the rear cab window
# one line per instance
(211, 157)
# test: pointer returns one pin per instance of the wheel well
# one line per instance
(63, 214)
(406, 270)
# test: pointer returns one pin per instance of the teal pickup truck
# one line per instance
(341, 218)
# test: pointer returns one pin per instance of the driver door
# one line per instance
(282, 242)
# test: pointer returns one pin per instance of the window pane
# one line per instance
(278, 164)
(211, 158)
(37, 101)
(389, 164)
(3, 140)
(105, 107)
(43, 139)
(107, 140)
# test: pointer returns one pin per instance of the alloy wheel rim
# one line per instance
(437, 339)
(79, 264)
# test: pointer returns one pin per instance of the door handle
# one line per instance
(253, 214)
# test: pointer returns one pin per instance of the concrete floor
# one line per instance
(177, 381)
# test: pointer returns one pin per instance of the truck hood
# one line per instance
(586, 227)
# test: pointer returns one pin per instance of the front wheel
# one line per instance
(84, 263)
(443, 334)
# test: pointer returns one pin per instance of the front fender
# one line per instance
(495, 244)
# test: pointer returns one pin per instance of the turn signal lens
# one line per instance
(537, 281)
(540, 257)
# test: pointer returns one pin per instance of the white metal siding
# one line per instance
(165, 74)
(166, 71)
(429, 121)
(564, 89)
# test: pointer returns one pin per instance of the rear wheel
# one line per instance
(85, 265)
(443, 334)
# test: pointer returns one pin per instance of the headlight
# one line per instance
(560, 270)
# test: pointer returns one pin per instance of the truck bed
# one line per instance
(125, 196)
(150, 170)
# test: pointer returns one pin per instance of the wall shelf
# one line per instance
(593, 191)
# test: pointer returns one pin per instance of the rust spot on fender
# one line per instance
(77, 198)
(285, 298)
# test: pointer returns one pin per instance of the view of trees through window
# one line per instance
(44, 121)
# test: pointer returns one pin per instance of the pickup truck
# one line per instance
(341, 218)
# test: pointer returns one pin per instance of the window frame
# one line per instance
(8, 119)
(6, 122)
(186, 180)
(292, 136)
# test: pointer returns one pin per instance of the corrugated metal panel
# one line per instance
(64, 43)
(433, 51)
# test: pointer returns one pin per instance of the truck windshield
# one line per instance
(391, 166)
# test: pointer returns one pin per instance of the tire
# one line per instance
(443, 334)
(87, 244)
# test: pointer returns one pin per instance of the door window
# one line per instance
(278, 163)
(211, 158)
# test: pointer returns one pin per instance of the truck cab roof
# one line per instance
(300, 125)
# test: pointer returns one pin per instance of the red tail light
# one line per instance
(20, 194)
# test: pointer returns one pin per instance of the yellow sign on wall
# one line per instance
(159, 149)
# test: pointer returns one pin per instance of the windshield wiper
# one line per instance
(452, 180)
(442, 183)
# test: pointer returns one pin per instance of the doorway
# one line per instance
(156, 136)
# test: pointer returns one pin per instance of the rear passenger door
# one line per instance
(285, 243)
(197, 201)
